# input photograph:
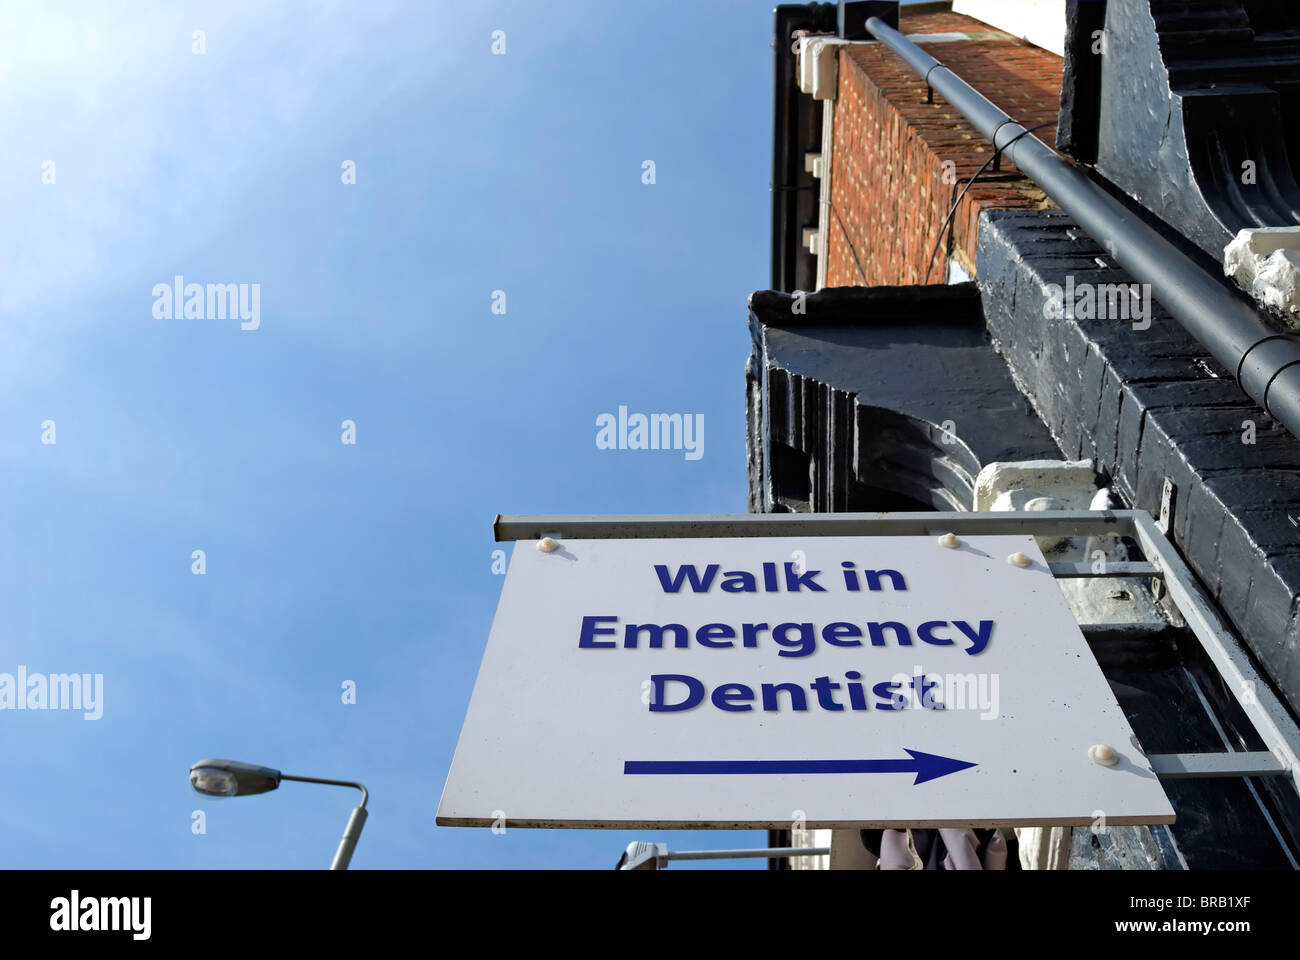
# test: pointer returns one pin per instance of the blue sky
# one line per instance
(329, 562)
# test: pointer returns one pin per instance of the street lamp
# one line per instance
(230, 778)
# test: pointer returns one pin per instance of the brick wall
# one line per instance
(887, 183)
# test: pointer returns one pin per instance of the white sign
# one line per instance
(760, 682)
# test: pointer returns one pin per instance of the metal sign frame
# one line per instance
(1261, 706)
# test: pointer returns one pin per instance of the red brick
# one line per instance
(890, 146)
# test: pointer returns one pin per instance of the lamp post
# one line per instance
(230, 778)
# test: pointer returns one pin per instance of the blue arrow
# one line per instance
(926, 766)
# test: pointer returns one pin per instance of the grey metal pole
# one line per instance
(763, 852)
(352, 832)
(1266, 363)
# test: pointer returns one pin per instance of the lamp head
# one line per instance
(230, 778)
(640, 855)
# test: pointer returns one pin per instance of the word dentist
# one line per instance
(791, 640)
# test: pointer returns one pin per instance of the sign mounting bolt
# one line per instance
(1103, 755)
(950, 540)
(547, 545)
(1019, 559)
(1168, 496)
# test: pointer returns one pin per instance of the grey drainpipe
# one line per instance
(1266, 363)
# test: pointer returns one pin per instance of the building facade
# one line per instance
(941, 334)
